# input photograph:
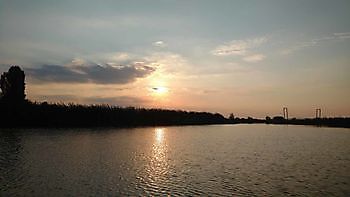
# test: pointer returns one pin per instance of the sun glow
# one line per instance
(160, 90)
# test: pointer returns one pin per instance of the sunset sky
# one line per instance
(251, 58)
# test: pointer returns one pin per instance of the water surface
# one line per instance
(247, 160)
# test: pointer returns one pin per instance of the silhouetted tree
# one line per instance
(231, 117)
(12, 85)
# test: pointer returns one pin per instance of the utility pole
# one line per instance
(318, 113)
(285, 113)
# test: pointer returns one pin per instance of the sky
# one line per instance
(249, 58)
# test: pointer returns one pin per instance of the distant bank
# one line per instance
(29, 114)
(16, 111)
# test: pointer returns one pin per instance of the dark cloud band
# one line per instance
(98, 74)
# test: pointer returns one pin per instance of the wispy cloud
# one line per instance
(121, 56)
(298, 47)
(76, 62)
(343, 35)
(238, 47)
(159, 44)
(316, 42)
(169, 62)
(254, 58)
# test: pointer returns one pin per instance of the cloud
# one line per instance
(316, 41)
(299, 46)
(94, 73)
(76, 62)
(168, 62)
(238, 47)
(120, 57)
(159, 44)
(254, 58)
(343, 35)
(119, 100)
(55, 73)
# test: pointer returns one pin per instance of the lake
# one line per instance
(216, 160)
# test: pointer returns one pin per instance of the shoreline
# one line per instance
(168, 125)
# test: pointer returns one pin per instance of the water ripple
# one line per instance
(244, 160)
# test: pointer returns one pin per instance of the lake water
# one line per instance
(217, 160)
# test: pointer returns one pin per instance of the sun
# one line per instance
(160, 90)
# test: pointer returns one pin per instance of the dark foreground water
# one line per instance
(245, 160)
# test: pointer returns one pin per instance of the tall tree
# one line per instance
(12, 85)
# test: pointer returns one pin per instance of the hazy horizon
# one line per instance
(249, 58)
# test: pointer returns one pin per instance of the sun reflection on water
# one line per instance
(159, 147)
(154, 177)
(159, 135)
(157, 168)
